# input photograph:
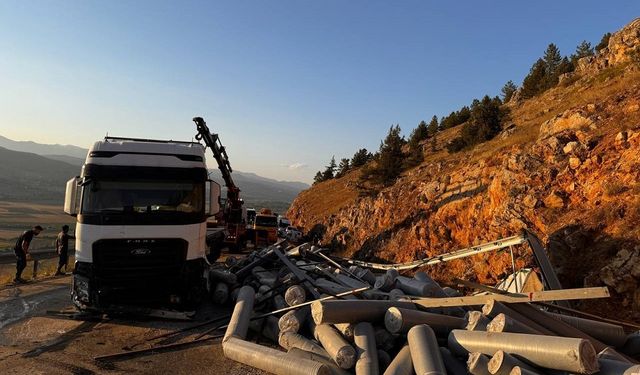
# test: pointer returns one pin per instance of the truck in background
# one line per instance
(141, 207)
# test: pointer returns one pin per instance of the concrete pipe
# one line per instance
(451, 292)
(264, 289)
(384, 359)
(555, 325)
(558, 353)
(476, 321)
(612, 354)
(278, 302)
(522, 371)
(295, 295)
(415, 287)
(501, 364)
(365, 343)
(343, 354)
(385, 340)
(401, 364)
(425, 351)
(270, 328)
(396, 294)
(386, 281)
(611, 367)
(289, 340)
(333, 288)
(367, 275)
(493, 308)
(346, 329)
(353, 311)
(632, 345)
(505, 323)
(293, 320)
(352, 283)
(452, 364)
(220, 293)
(239, 322)
(271, 360)
(478, 364)
(299, 353)
(399, 320)
(222, 275)
(608, 333)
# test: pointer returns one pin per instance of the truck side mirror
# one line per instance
(71, 197)
(214, 198)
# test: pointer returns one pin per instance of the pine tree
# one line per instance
(604, 42)
(432, 129)
(318, 178)
(330, 169)
(360, 158)
(508, 90)
(391, 157)
(534, 82)
(552, 63)
(419, 134)
(583, 49)
(343, 168)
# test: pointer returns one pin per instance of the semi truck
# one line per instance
(141, 207)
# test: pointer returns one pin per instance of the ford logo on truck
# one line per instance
(140, 251)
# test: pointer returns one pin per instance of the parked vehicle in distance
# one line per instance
(293, 234)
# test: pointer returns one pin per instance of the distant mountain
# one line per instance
(43, 149)
(37, 172)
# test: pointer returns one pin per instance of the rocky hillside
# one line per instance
(567, 166)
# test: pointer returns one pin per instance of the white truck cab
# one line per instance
(141, 208)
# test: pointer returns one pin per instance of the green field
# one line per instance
(16, 217)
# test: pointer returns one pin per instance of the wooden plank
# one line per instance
(544, 296)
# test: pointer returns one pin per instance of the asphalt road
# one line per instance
(33, 340)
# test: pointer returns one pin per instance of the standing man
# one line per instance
(62, 247)
(22, 252)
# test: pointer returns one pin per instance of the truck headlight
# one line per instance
(81, 288)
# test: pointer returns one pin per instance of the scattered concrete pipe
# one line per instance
(384, 359)
(367, 275)
(399, 320)
(343, 354)
(295, 295)
(234, 294)
(220, 293)
(239, 322)
(289, 340)
(632, 345)
(436, 290)
(425, 351)
(335, 370)
(451, 363)
(365, 343)
(612, 354)
(608, 333)
(346, 329)
(414, 287)
(451, 292)
(501, 364)
(555, 325)
(505, 323)
(522, 371)
(264, 289)
(352, 283)
(396, 294)
(353, 311)
(222, 275)
(559, 353)
(385, 340)
(264, 277)
(270, 328)
(293, 320)
(386, 281)
(476, 321)
(271, 360)
(612, 367)
(402, 364)
(493, 308)
(278, 302)
(333, 288)
(478, 364)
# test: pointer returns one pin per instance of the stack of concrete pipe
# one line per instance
(380, 331)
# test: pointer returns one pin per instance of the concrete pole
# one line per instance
(632, 345)
(293, 320)
(239, 322)
(278, 302)
(353, 311)
(522, 371)
(333, 288)
(478, 364)
(270, 328)
(295, 295)
(451, 363)
(289, 340)
(384, 359)
(346, 329)
(396, 294)
(425, 351)
(612, 354)
(493, 308)
(399, 320)
(222, 275)
(501, 363)
(415, 287)
(365, 343)
(610, 367)
(299, 353)
(476, 321)
(608, 333)
(504, 323)
(401, 364)
(220, 293)
(387, 281)
(339, 350)
(558, 353)
(385, 340)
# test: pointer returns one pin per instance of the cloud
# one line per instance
(296, 166)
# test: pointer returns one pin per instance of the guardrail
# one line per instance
(8, 257)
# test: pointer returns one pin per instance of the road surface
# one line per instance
(33, 340)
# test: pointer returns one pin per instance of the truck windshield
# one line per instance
(111, 196)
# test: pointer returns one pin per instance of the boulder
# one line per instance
(569, 120)
(570, 147)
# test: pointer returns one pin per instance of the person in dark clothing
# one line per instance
(62, 247)
(22, 251)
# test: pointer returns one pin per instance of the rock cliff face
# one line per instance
(568, 168)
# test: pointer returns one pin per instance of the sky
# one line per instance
(286, 84)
